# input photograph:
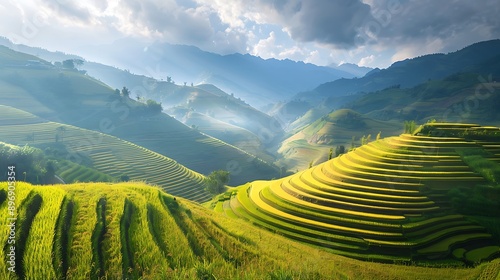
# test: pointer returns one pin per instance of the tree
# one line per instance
(153, 106)
(50, 169)
(169, 79)
(124, 178)
(215, 182)
(330, 154)
(125, 92)
(339, 150)
(78, 62)
(72, 64)
(362, 141)
(410, 127)
(378, 135)
(68, 64)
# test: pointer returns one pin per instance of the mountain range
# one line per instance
(289, 104)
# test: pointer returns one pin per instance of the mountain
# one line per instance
(409, 72)
(465, 97)
(482, 59)
(69, 96)
(205, 99)
(257, 81)
(356, 70)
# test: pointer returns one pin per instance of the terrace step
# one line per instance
(319, 175)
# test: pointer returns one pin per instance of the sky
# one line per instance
(372, 33)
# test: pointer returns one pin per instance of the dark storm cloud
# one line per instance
(345, 24)
(332, 22)
(448, 25)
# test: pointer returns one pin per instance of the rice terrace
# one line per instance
(250, 140)
(382, 202)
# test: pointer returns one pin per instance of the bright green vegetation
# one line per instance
(131, 230)
(215, 182)
(106, 154)
(388, 200)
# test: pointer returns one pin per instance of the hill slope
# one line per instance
(89, 231)
(68, 96)
(388, 200)
(465, 97)
(313, 142)
(178, 100)
(107, 154)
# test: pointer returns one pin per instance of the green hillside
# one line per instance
(130, 230)
(313, 142)
(69, 96)
(448, 87)
(203, 98)
(389, 200)
(107, 154)
(465, 97)
(412, 72)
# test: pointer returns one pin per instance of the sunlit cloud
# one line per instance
(318, 31)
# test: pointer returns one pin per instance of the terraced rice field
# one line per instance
(384, 201)
(134, 231)
(193, 150)
(115, 231)
(109, 155)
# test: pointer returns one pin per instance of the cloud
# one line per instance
(419, 22)
(366, 61)
(265, 47)
(72, 10)
(347, 30)
(331, 22)
(169, 20)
